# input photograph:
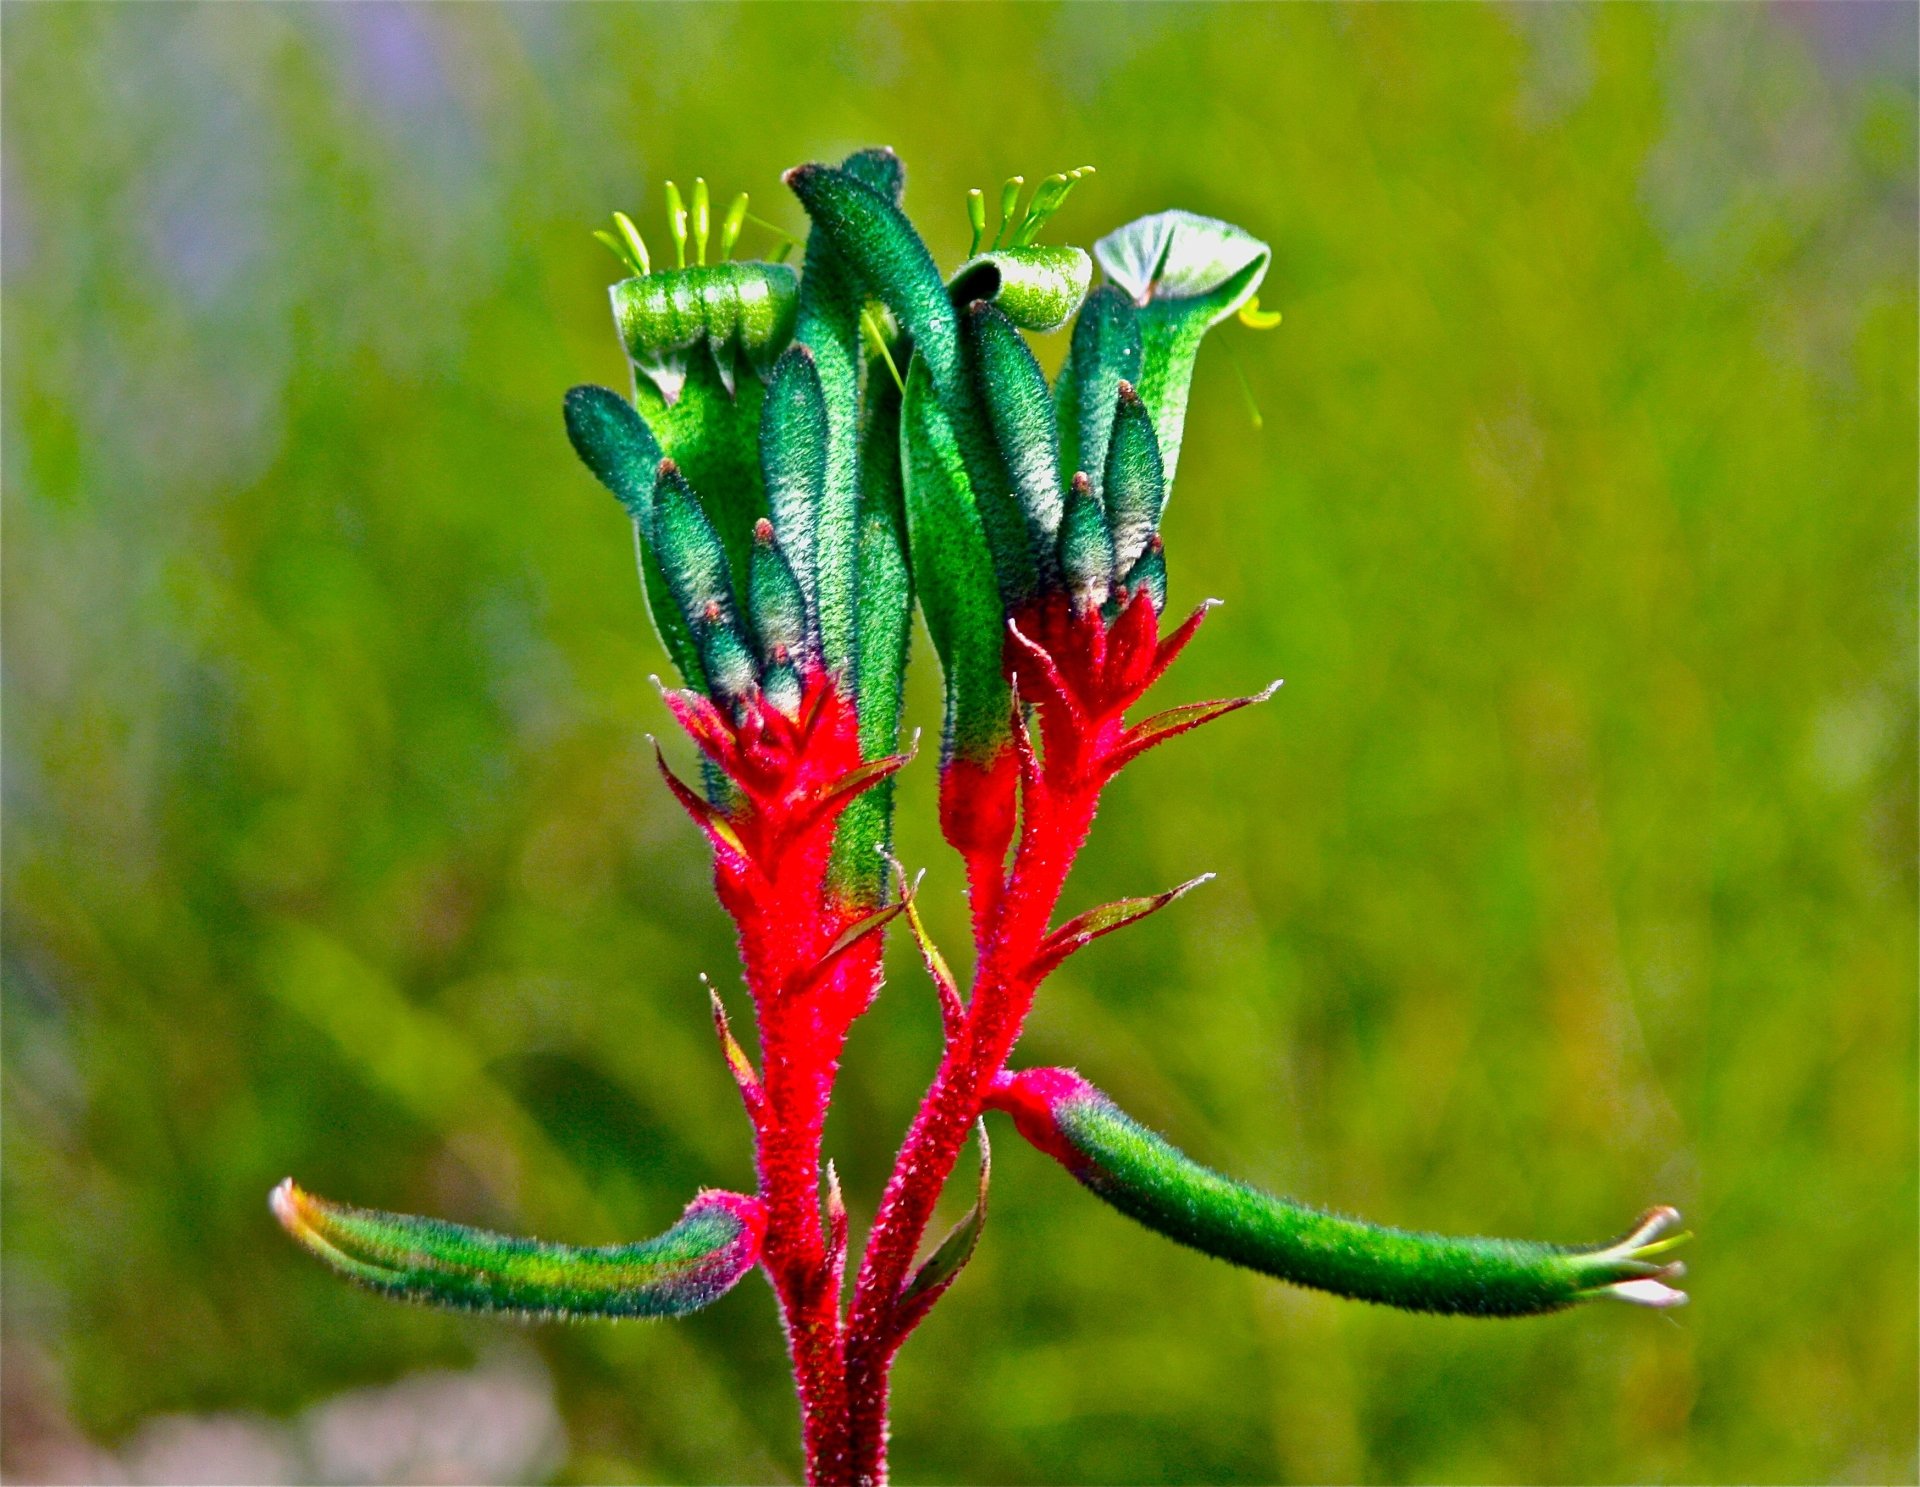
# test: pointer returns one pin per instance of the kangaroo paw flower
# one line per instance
(1151, 1181)
(692, 1265)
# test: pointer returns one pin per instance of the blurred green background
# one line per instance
(1573, 869)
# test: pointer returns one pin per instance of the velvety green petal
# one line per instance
(713, 434)
(875, 237)
(695, 565)
(1135, 487)
(953, 573)
(1105, 352)
(882, 620)
(794, 438)
(831, 298)
(774, 594)
(693, 1264)
(615, 443)
(1086, 548)
(1013, 390)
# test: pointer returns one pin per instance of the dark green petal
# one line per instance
(615, 443)
(779, 606)
(1135, 488)
(1086, 549)
(1013, 390)
(1105, 352)
(953, 573)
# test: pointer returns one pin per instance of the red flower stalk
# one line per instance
(1082, 672)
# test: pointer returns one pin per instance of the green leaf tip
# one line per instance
(715, 1243)
(1145, 1177)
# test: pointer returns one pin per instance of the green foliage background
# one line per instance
(1573, 869)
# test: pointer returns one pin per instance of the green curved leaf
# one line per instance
(715, 1243)
(1150, 1180)
(942, 1268)
(1085, 928)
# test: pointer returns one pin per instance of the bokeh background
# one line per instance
(1573, 869)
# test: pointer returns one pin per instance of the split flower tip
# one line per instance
(1646, 1283)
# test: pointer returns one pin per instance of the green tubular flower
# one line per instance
(1151, 1181)
(1186, 273)
(1105, 352)
(692, 1265)
(832, 297)
(615, 443)
(1013, 390)
(953, 574)
(1037, 288)
(732, 311)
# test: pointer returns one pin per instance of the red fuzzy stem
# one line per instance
(810, 978)
(793, 777)
(1081, 675)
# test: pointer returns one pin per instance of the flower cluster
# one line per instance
(807, 457)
